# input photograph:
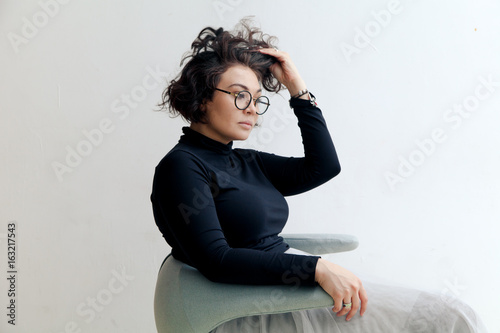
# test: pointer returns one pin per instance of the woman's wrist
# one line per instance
(320, 269)
(294, 88)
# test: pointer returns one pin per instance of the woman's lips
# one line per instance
(246, 124)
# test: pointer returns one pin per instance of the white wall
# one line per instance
(97, 68)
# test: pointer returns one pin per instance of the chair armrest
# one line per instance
(186, 301)
(321, 243)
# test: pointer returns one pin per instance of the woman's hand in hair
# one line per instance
(286, 72)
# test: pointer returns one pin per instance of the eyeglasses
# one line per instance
(243, 99)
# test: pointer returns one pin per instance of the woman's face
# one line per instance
(225, 122)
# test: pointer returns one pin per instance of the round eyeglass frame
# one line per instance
(262, 100)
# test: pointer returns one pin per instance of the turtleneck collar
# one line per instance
(195, 138)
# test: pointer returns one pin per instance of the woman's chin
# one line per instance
(243, 135)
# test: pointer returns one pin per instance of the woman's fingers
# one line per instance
(358, 303)
(278, 69)
(354, 308)
(346, 308)
(337, 305)
(285, 70)
(347, 291)
(274, 52)
(364, 300)
(351, 307)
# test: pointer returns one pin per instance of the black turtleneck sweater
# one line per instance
(222, 209)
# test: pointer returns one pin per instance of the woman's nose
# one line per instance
(252, 108)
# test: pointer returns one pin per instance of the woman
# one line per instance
(222, 209)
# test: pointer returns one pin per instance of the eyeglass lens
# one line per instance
(244, 98)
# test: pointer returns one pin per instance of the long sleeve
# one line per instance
(291, 175)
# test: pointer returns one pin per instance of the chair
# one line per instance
(187, 302)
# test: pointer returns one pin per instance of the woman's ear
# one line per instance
(203, 107)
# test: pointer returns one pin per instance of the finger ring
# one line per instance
(347, 305)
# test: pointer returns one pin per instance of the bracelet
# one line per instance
(301, 93)
(312, 98)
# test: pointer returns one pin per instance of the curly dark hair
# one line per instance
(213, 52)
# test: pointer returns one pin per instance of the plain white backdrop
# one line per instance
(410, 91)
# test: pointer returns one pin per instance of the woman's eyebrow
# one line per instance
(243, 86)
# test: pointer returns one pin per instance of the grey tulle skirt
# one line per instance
(390, 309)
